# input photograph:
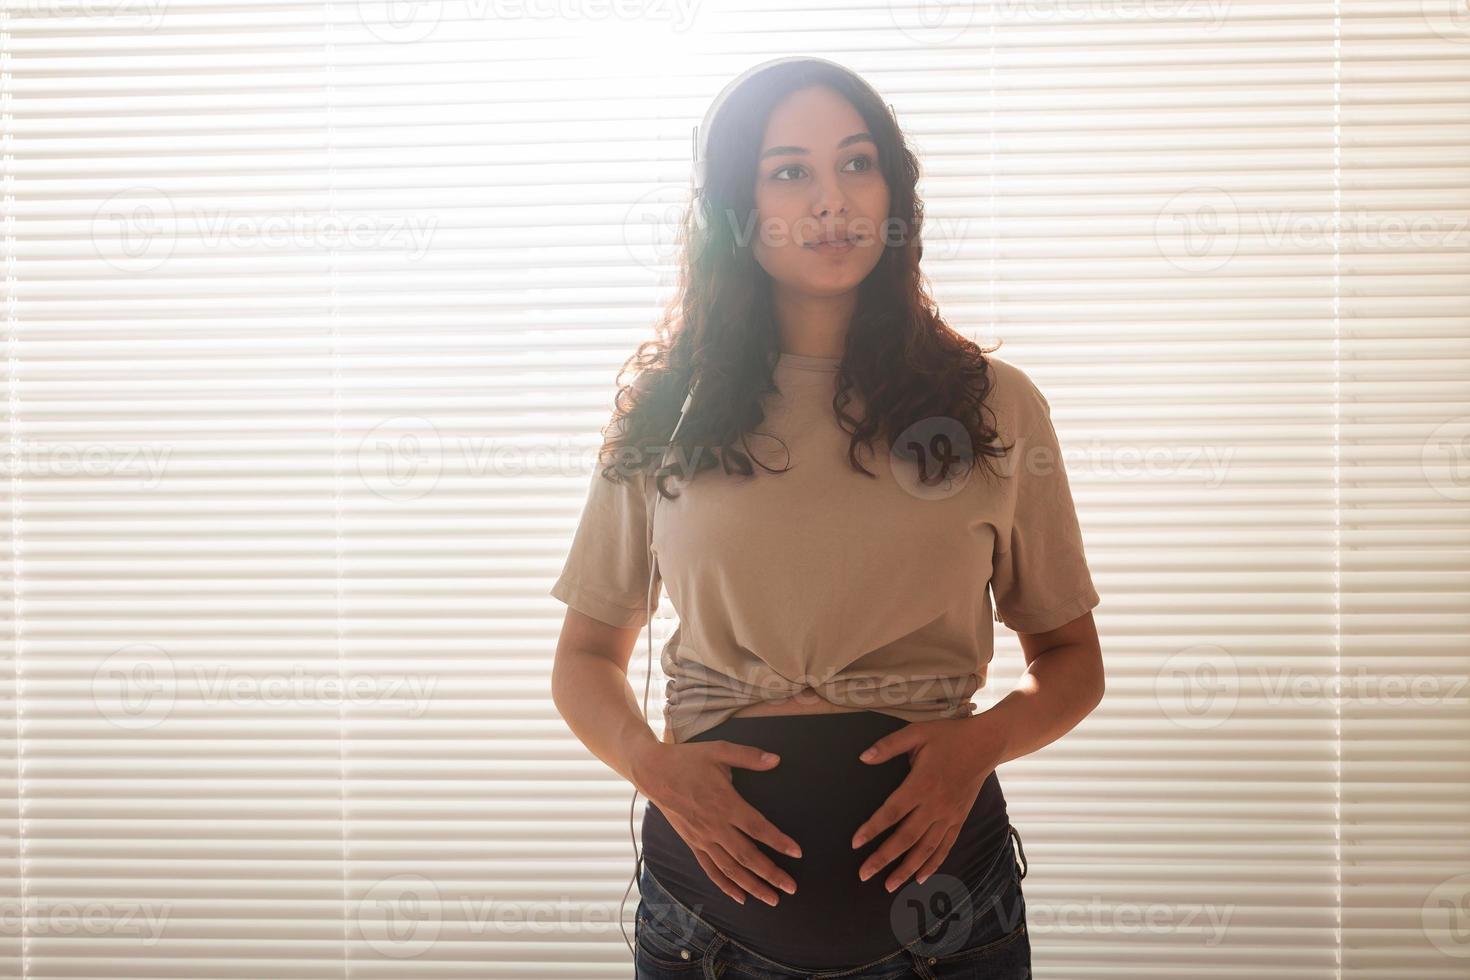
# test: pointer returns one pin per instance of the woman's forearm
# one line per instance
(594, 697)
(1057, 690)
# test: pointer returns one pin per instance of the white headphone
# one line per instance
(702, 131)
(701, 152)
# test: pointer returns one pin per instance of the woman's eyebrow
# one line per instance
(782, 151)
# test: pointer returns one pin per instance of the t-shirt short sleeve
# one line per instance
(606, 570)
(1039, 578)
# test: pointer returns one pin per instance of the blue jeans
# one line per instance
(673, 943)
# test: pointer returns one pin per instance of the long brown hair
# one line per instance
(906, 363)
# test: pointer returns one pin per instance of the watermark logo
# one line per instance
(1445, 917)
(400, 21)
(1450, 19)
(410, 21)
(938, 916)
(141, 16)
(135, 230)
(135, 688)
(400, 917)
(1360, 687)
(928, 448)
(1445, 459)
(1097, 917)
(1198, 687)
(217, 229)
(652, 227)
(1210, 465)
(28, 458)
(138, 229)
(401, 458)
(141, 923)
(699, 696)
(932, 22)
(1198, 230)
(939, 22)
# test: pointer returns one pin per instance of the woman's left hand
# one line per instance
(949, 760)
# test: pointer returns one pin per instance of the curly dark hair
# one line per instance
(905, 362)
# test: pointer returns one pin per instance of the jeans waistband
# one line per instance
(704, 937)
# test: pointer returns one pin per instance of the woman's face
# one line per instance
(818, 177)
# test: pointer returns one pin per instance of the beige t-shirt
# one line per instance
(872, 591)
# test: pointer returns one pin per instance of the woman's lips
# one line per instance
(835, 247)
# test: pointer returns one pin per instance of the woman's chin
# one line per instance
(836, 284)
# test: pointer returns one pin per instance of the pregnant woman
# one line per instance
(847, 487)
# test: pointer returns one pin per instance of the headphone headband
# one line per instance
(702, 130)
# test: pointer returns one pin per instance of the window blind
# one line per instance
(312, 315)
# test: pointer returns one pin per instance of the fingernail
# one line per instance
(794, 852)
(788, 887)
(768, 757)
(859, 841)
(868, 754)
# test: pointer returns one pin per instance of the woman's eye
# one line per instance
(865, 159)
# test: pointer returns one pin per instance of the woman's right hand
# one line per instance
(690, 782)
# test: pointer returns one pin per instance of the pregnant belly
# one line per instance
(819, 794)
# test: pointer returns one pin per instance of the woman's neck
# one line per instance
(813, 326)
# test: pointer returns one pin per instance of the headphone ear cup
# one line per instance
(698, 159)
